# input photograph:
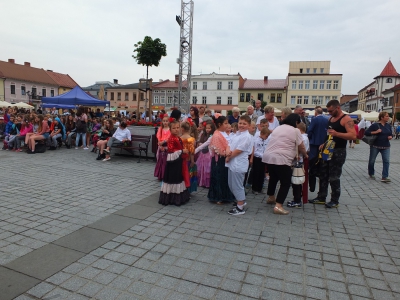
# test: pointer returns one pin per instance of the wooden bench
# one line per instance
(143, 145)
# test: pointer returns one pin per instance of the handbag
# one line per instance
(370, 139)
(298, 173)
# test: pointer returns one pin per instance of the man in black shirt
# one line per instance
(341, 128)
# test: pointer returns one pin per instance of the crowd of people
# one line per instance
(227, 155)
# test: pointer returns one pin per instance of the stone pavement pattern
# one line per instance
(72, 227)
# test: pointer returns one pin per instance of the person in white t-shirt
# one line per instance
(120, 136)
(269, 114)
(237, 161)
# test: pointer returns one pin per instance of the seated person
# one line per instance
(2, 127)
(120, 136)
(42, 134)
(35, 125)
(70, 130)
(56, 133)
(14, 132)
(107, 132)
(26, 128)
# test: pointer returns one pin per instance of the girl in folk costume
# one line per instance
(173, 189)
(219, 191)
(189, 136)
(163, 135)
(204, 160)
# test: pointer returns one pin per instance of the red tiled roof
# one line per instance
(389, 70)
(25, 73)
(347, 98)
(260, 84)
(1, 75)
(63, 80)
(168, 84)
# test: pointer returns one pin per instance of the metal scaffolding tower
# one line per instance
(185, 21)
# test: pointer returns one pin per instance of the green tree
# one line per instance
(149, 53)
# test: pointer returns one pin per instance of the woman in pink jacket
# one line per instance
(27, 127)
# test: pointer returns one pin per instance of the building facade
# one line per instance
(23, 83)
(127, 97)
(64, 81)
(271, 91)
(96, 89)
(310, 83)
(218, 92)
(165, 94)
(377, 95)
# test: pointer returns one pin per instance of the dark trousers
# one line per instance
(258, 171)
(282, 174)
(331, 171)
(297, 192)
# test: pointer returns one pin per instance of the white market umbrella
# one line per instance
(22, 105)
(372, 116)
(4, 104)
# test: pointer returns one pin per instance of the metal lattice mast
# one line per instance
(185, 22)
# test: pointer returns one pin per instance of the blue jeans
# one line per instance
(373, 153)
(78, 135)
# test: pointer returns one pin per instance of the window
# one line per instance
(169, 92)
(279, 98)
(134, 97)
(218, 100)
(12, 86)
(300, 84)
(156, 99)
(162, 100)
(241, 97)
(335, 84)
(389, 80)
(315, 84)
(315, 70)
(141, 96)
(327, 99)
(248, 96)
(308, 70)
(321, 84)
(293, 100)
(320, 100)
(272, 100)
(260, 96)
(305, 100)
(126, 96)
(51, 93)
(229, 100)
(204, 100)
(111, 95)
(294, 83)
(299, 99)
(307, 87)
(314, 100)
(204, 85)
(328, 84)
(156, 91)
(34, 91)
(119, 96)
(219, 85)
(194, 99)
(301, 70)
(195, 85)
(322, 70)
(169, 100)
(23, 91)
(44, 93)
(230, 85)
(334, 97)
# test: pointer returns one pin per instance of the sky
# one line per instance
(93, 40)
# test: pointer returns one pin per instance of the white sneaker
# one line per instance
(76, 148)
(86, 148)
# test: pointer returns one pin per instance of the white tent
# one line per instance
(4, 104)
(358, 112)
(23, 105)
(372, 116)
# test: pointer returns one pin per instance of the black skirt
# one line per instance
(219, 190)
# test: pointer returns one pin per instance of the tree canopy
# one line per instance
(149, 52)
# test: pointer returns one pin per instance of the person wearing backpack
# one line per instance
(80, 124)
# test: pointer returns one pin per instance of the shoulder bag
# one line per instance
(298, 173)
(370, 139)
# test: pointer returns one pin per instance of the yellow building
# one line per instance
(271, 91)
(127, 97)
(309, 83)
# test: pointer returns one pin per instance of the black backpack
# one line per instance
(40, 148)
(80, 125)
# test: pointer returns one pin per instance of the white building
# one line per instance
(217, 92)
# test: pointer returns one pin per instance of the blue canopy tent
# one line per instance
(62, 106)
(76, 96)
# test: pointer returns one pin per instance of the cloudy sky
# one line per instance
(93, 40)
